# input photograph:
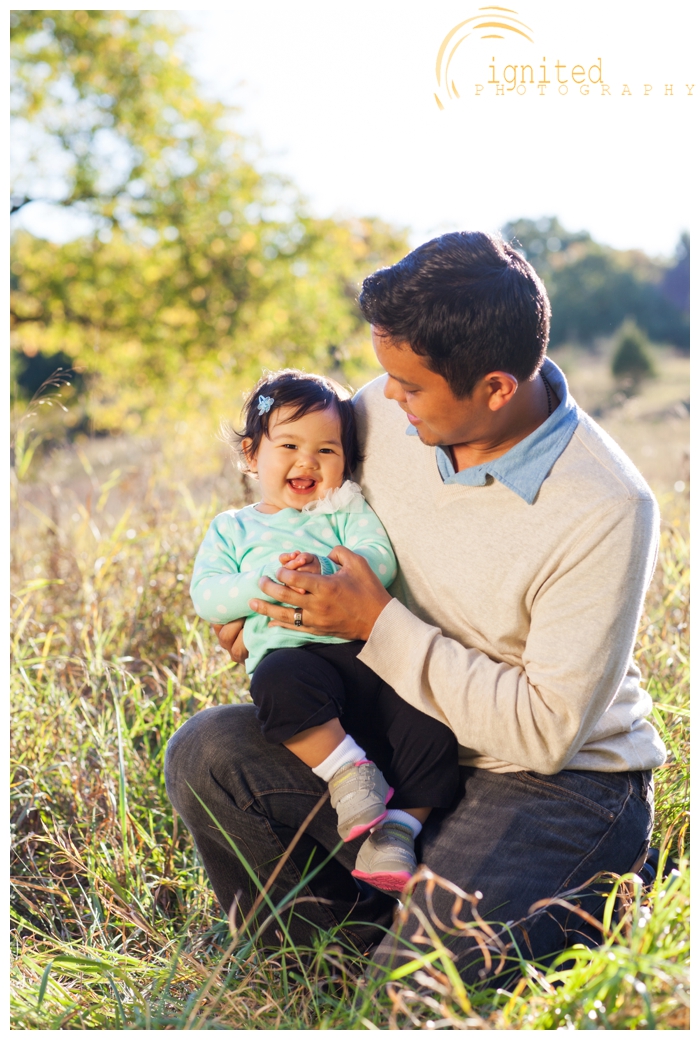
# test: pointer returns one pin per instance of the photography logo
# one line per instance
(492, 23)
(511, 67)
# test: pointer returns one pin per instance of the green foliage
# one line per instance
(542, 240)
(198, 266)
(634, 980)
(103, 97)
(632, 362)
(114, 923)
(593, 288)
(664, 657)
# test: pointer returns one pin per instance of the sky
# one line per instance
(342, 99)
(578, 121)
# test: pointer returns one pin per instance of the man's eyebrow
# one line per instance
(405, 382)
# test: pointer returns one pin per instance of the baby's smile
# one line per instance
(302, 485)
(309, 448)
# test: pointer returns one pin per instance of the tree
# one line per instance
(593, 288)
(196, 265)
(542, 240)
(632, 361)
(676, 283)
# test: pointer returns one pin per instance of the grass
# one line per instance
(114, 924)
(652, 426)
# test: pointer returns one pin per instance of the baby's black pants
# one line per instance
(296, 688)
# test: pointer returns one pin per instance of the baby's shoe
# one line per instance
(387, 859)
(359, 794)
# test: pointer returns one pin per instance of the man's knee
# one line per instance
(210, 738)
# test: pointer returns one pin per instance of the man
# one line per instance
(526, 541)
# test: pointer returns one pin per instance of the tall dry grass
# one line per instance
(114, 924)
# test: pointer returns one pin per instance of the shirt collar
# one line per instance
(525, 467)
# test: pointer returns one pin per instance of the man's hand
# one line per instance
(230, 636)
(345, 604)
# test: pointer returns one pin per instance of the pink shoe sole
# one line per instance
(387, 882)
(362, 828)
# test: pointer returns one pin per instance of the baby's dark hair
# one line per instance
(304, 392)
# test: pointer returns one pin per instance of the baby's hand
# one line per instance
(300, 561)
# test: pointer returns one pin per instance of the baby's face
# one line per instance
(299, 461)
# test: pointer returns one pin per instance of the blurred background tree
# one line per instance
(594, 288)
(187, 264)
(632, 361)
(183, 266)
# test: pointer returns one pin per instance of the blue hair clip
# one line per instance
(265, 404)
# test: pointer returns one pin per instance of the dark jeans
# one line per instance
(514, 837)
(299, 687)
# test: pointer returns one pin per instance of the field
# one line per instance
(114, 926)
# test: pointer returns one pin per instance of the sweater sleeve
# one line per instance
(364, 533)
(220, 590)
(583, 621)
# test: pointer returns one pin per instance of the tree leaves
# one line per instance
(594, 288)
(194, 257)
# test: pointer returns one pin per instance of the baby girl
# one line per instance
(299, 440)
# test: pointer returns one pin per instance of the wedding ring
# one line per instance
(297, 617)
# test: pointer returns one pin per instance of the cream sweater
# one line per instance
(515, 623)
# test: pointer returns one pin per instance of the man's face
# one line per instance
(438, 416)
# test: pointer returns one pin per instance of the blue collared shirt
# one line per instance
(523, 468)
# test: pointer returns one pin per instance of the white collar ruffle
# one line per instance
(348, 498)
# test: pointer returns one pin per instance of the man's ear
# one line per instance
(501, 388)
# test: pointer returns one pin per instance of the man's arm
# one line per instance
(583, 624)
(535, 714)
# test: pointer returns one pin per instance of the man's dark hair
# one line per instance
(305, 393)
(467, 302)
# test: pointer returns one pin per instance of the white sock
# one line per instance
(346, 752)
(399, 816)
